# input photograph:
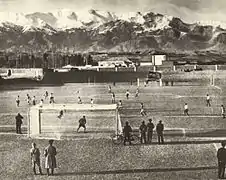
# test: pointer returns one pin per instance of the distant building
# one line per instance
(151, 60)
(116, 62)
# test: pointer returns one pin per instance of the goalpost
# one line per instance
(100, 117)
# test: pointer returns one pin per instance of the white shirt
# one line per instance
(79, 101)
(186, 106)
(222, 110)
(207, 97)
(41, 103)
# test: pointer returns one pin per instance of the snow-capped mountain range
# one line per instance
(107, 31)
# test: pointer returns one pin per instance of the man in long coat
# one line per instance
(50, 159)
(19, 122)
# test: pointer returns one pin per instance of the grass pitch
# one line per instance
(183, 156)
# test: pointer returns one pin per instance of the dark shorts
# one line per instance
(36, 162)
(82, 125)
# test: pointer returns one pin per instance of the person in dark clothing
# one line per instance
(82, 123)
(150, 128)
(127, 130)
(221, 156)
(35, 158)
(50, 157)
(159, 129)
(127, 94)
(143, 130)
(19, 122)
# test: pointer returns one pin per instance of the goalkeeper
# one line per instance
(82, 123)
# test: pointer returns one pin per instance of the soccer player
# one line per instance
(137, 93)
(143, 130)
(82, 123)
(91, 102)
(79, 100)
(143, 112)
(50, 159)
(160, 129)
(223, 111)
(46, 94)
(208, 100)
(61, 113)
(18, 101)
(221, 157)
(51, 99)
(120, 104)
(150, 128)
(19, 122)
(35, 158)
(34, 101)
(127, 94)
(127, 130)
(186, 109)
(109, 89)
(28, 99)
(113, 98)
(41, 103)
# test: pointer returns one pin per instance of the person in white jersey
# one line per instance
(208, 100)
(18, 101)
(41, 103)
(91, 102)
(79, 100)
(186, 109)
(28, 99)
(223, 111)
(34, 101)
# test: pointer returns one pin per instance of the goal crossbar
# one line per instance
(34, 114)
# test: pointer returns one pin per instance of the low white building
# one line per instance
(116, 62)
(152, 60)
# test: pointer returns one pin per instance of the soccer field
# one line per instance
(189, 152)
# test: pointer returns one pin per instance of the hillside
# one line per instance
(107, 31)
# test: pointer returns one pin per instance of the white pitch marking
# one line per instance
(217, 87)
(194, 116)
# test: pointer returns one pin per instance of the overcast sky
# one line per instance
(188, 10)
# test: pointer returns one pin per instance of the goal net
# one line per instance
(59, 120)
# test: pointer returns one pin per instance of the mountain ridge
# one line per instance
(107, 31)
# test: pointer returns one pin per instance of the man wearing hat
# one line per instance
(159, 129)
(19, 122)
(50, 159)
(143, 130)
(35, 158)
(221, 156)
(150, 128)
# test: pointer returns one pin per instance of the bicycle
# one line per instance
(119, 139)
